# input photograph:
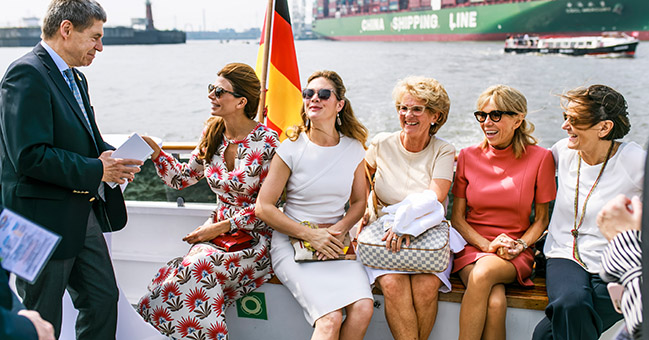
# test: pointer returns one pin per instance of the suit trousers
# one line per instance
(90, 280)
(579, 304)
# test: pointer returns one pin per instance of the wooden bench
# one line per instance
(518, 296)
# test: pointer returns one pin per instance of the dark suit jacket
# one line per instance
(50, 166)
(12, 325)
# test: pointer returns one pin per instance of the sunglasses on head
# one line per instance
(416, 110)
(219, 91)
(494, 115)
(323, 94)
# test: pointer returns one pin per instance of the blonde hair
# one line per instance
(245, 83)
(507, 98)
(350, 126)
(430, 91)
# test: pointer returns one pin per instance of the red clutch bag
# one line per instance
(236, 241)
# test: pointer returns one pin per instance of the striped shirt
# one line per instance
(621, 262)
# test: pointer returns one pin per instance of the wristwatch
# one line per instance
(522, 242)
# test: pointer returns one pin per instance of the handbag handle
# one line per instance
(370, 180)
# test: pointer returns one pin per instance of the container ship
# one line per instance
(30, 36)
(457, 20)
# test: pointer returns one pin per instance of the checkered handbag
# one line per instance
(428, 253)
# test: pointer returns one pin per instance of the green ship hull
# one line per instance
(493, 21)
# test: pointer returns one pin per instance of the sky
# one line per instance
(188, 15)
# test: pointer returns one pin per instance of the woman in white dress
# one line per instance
(321, 166)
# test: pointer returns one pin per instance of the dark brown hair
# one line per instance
(598, 103)
(244, 82)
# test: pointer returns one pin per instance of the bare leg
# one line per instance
(359, 315)
(425, 288)
(399, 306)
(328, 326)
(496, 314)
(479, 279)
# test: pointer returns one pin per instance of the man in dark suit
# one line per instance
(23, 324)
(55, 165)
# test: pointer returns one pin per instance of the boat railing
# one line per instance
(179, 148)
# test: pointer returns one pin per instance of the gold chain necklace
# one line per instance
(575, 230)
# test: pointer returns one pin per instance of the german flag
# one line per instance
(284, 96)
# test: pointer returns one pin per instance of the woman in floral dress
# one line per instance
(188, 297)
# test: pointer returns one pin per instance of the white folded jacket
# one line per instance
(414, 215)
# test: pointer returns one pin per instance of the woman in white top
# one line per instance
(404, 162)
(321, 166)
(592, 168)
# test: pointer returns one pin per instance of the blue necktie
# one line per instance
(69, 77)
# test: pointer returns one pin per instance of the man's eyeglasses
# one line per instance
(416, 110)
(219, 91)
(323, 94)
(494, 115)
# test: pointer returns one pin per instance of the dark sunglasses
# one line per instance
(494, 115)
(219, 91)
(323, 94)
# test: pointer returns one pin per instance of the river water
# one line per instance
(161, 90)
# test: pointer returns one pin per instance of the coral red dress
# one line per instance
(499, 190)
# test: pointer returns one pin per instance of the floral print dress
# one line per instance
(188, 296)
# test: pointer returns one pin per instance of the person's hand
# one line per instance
(118, 170)
(44, 329)
(325, 242)
(393, 241)
(207, 232)
(365, 219)
(510, 253)
(501, 241)
(153, 145)
(620, 214)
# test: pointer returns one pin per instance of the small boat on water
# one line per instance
(608, 44)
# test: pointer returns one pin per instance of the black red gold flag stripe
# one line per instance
(283, 96)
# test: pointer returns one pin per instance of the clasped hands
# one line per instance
(328, 242)
(505, 247)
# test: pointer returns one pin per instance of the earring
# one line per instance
(338, 119)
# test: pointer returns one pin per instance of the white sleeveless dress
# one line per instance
(317, 191)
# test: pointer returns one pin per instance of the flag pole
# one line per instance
(264, 65)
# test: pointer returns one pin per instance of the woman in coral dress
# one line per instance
(496, 183)
(188, 297)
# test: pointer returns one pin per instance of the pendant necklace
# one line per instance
(575, 230)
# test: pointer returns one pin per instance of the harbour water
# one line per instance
(162, 89)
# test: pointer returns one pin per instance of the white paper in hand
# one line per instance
(135, 148)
